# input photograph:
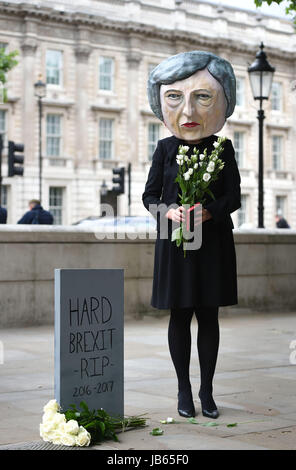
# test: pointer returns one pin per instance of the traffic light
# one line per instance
(15, 161)
(119, 180)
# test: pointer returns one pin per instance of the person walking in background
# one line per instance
(3, 215)
(280, 221)
(36, 215)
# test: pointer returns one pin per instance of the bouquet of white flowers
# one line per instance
(85, 427)
(194, 176)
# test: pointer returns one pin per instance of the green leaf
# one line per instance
(156, 432)
(208, 191)
(210, 424)
(231, 425)
(84, 406)
(193, 421)
(176, 234)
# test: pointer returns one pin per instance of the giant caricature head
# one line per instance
(192, 93)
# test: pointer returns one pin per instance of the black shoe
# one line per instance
(208, 407)
(186, 405)
(210, 414)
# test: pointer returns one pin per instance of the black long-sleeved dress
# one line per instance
(206, 276)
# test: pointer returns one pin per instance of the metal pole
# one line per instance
(260, 118)
(40, 151)
(129, 188)
(1, 147)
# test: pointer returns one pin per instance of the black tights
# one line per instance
(179, 338)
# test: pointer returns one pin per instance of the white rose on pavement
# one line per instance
(83, 438)
(52, 405)
(71, 427)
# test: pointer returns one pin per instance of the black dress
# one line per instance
(206, 276)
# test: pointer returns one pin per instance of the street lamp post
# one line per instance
(40, 92)
(261, 75)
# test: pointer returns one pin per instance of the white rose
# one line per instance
(216, 144)
(71, 427)
(83, 438)
(68, 439)
(195, 166)
(48, 416)
(47, 427)
(180, 162)
(170, 420)
(44, 432)
(52, 405)
(186, 176)
(201, 157)
(185, 148)
(211, 167)
(194, 158)
(58, 419)
(190, 171)
(56, 437)
(206, 177)
(186, 158)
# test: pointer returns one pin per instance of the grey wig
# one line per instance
(181, 66)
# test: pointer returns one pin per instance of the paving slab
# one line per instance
(254, 386)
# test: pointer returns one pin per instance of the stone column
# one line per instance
(82, 52)
(29, 101)
(133, 116)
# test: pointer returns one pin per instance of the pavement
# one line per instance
(254, 386)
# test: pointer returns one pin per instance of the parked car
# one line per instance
(120, 223)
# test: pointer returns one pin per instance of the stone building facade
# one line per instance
(95, 57)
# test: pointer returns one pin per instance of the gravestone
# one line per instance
(89, 338)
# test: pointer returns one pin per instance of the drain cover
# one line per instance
(40, 445)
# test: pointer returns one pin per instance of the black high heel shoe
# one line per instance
(209, 410)
(185, 405)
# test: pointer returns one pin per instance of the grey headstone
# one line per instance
(89, 338)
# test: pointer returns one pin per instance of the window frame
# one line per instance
(60, 68)
(150, 143)
(111, 75)
(54, 208)
(60, 137)
(104, 140)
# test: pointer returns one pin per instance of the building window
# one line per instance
(276, 96)
(3, 126)
(56, 204)
(53, 135)
(240, 91)
(3, 45)
(106, 138)
(280, 205)
(4, 197)
(239, 148)
(106, 73)
(153, 138)
(242, 211)
(277, 148)
(54, 67)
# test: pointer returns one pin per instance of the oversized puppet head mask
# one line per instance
(192, 93)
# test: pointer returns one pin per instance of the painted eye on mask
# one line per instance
(203, 98)
(174, 96)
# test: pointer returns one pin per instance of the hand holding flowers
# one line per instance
(194, 176)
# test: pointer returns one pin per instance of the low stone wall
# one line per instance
(266, 262)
